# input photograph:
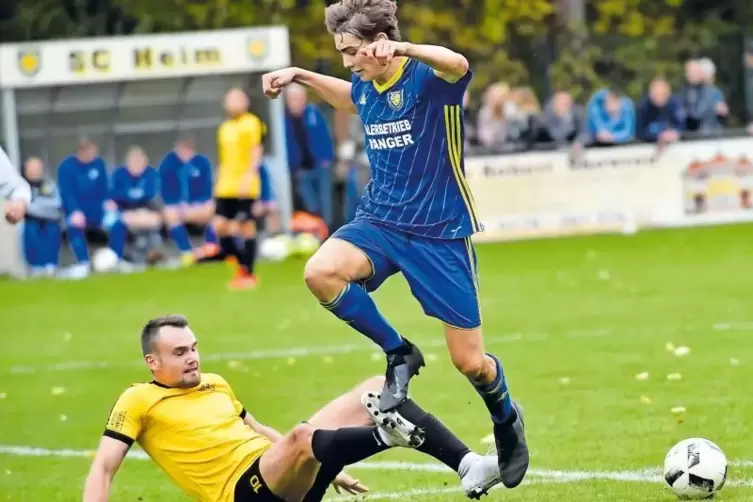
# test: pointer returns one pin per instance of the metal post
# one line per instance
(10, 127)
(278, 168)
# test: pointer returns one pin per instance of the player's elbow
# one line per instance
(462, 66)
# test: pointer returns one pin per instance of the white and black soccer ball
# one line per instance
(695, 468)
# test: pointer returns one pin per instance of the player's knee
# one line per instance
(171, 216)
(301, 436)
(319, 273)
(470, 365)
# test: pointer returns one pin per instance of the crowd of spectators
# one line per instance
(511, 119)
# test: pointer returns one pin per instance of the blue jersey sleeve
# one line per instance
(119, 186)
(204, 183)
(170, 183)
(151, 185)
(67, 186)
(429, 83)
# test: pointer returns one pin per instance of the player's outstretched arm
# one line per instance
(107, 460)
(262, 429)
(447, 64)
(334, 91)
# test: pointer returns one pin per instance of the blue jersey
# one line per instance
(134, 192)
(188, 183)
(83, 186)
(414, 140)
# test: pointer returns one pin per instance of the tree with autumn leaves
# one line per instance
(579, 45)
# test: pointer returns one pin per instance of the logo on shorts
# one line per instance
(395, 99)
(255, 483)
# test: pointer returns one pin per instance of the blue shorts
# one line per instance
(441, 273)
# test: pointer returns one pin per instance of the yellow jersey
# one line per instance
(236, 140)
(197, 435)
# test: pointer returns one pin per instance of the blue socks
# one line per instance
(210, 236)
(117, 237)
(77, 240)
(179, 234)
(496, 396)
(354, 306)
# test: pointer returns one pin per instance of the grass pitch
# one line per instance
(574, 320)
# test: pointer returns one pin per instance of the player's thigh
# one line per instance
(172, 214)
(288, 467)
(346, 410)
(141, 219)
(200, 213)
(357, 252)
(442, 277)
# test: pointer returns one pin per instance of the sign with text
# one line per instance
(116, 59)
(547, 194)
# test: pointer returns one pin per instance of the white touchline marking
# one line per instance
(325, 350)
(652, 475)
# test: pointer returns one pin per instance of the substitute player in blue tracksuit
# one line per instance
(135, 190)
(186, 189)
(41, 230)
(85, 191)
(417, 213)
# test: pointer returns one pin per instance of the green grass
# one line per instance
(596, 311)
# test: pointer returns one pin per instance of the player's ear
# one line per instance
(151, 362)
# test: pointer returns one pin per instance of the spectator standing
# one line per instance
(311, 152)
(135, 187)
(704, 104)
(661, 118)
(562, 123)
(497, 128)
(41, 230)
(84, 189)
(611, 118)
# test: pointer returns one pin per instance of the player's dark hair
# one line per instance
(364, 19)
(151, 330)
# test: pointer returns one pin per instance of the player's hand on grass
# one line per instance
(349, 485)
(273, 82)
(384, 50)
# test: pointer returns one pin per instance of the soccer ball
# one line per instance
(695, 468)
(306, 244)
(275, 248)
(104, 260)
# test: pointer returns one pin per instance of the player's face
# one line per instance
(34, 170)
(184, 151)
(87, 153)
(236, 103)
(349, 45)
(175, 361)
(295, 100)
(136, 163)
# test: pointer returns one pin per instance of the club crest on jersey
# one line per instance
(395, 99)
(362, 101)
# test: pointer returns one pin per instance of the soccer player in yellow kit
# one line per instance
(193, 426)
(238, 186)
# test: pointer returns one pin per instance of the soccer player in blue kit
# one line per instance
(417, 213)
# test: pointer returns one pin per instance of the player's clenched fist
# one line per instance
(274, 82)
(384, 50)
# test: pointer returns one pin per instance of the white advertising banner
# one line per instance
(79, 61)
(547, 194)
